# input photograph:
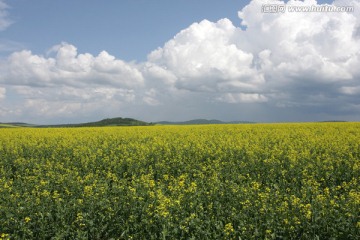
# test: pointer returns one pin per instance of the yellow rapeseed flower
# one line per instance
(229, 229)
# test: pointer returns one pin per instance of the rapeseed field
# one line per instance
(259, 181)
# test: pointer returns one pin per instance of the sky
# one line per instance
(79, 61)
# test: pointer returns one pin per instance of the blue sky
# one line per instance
(128, 29)
(74, 61)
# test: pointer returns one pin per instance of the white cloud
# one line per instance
(284, 54)
(64, 104)
(350, 90)
(69, 68)
(304, 61)
(300, 48)
(5, 22)
(150, 97)
(2, 93)
(243, 98)
(69, 94)
(204, 58)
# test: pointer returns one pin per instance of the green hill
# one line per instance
(105, 122)
(200, 121)
(120, 122)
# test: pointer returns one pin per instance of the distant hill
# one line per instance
(120, 122)
(102, 123)
(200, 121)
(105, 122)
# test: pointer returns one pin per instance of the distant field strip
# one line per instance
(7, 125)
(259, 181)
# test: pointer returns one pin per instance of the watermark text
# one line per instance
(282, 8)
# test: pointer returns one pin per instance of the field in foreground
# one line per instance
(276, 181)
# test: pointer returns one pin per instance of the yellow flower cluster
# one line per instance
(258, 181)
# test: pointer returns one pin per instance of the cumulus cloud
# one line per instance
(66, 83)
(293, 60)
(68, 68)
(279, 58)
(49, 102)
(204, 58)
